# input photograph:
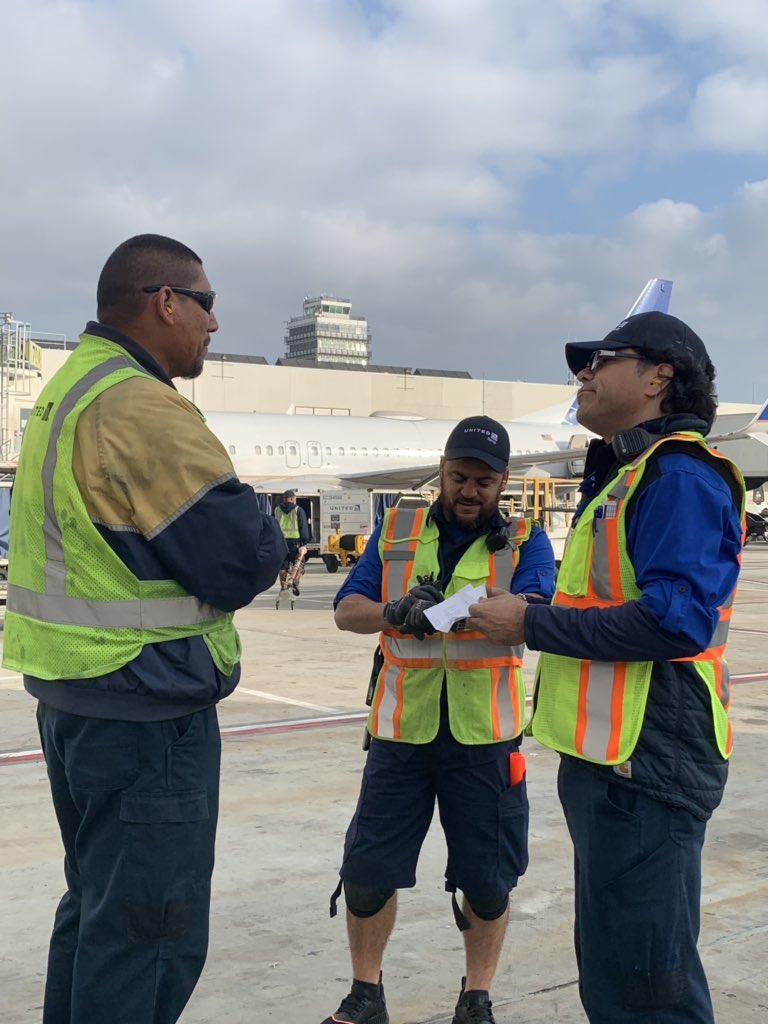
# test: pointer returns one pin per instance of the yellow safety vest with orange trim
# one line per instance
(592, 709)
(485, 688)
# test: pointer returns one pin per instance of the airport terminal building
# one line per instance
(241, 383)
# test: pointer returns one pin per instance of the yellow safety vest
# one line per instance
(75, 610)
(288, 522)
(485, 688)
(592, 709)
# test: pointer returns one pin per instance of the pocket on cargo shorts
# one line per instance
(513, 832)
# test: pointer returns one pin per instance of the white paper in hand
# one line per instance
(443, 615)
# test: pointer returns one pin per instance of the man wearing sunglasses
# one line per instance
(133, 544)
(632, 685)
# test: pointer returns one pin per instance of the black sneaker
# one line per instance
(361, 1006)
(296, 589)
(473, 1007)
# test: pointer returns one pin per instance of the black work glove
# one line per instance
(408, 612)
(396, 612)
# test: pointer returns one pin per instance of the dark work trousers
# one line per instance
(638, 892)
(137, 804)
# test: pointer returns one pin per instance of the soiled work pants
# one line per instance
(137, 804)
(638, 894)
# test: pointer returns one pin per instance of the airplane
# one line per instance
(274, 452)
(390, 450)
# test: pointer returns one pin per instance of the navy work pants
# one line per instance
(137, 805)
(638, 893)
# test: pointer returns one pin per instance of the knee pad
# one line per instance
(365, 902)
(488, 911)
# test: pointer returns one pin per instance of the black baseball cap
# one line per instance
(647, 332)
(479, 437)
(287, 494)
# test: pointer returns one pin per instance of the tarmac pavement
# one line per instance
(290, 777)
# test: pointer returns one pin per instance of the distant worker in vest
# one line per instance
(447, 712)
(133, 542)
(293, 522)
(632, 685)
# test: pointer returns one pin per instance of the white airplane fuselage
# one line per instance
(264, 446)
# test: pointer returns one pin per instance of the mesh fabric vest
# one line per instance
(592, 709)
(485, 688)
(288, 522)
(74, 609)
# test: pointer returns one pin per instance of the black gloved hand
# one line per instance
(396, 612)
(416, 622)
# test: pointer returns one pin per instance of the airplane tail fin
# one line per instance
(654, 297)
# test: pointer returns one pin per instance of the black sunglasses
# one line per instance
(205, 299)
(601, 356)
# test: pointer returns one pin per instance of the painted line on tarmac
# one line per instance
(284, 700)
(230, 732)
(293, 724)
(299, 724)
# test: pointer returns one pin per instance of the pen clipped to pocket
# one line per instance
(516, 768)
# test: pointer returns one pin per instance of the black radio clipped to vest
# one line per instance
(628, 444)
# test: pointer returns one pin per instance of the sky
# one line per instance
(484, 179)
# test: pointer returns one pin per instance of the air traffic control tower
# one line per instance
(327, 333)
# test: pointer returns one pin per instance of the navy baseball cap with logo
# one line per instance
(479, 437)
(646, 332)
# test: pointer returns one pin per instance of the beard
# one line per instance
(469, 525)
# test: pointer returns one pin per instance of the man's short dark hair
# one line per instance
(691, 389)
(139, 261)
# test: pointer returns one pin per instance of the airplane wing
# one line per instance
(407, 477)
(304, 484)
(561, 459)
(735, 426)
(415, 477)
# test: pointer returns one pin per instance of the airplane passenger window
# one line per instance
(341, 451)
(353, 451)
(374, 451)
(363, 451)
(232, 449)
(329, 451)
(280, 450)
(270, 450)
(257, 449)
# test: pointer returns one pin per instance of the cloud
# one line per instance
(387, 151)
(730, 112)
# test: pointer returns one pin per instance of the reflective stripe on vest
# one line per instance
(55, 605)
(593, 709)
(402, 529)
(498, 667)
(167, 612)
